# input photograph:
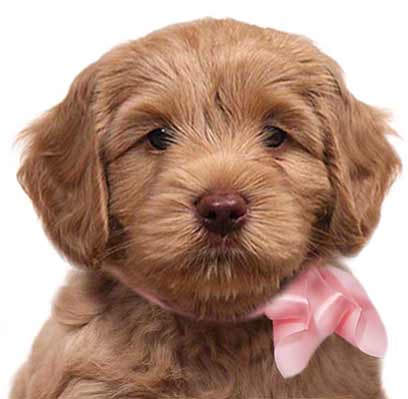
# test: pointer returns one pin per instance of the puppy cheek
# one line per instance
(312, 186)
(282, 244)
(129, 180)
(307, 181)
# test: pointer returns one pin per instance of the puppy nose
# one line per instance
(222, 213)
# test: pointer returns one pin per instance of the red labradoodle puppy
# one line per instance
(192, 175)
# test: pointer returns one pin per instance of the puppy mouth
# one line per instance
(214, 277)
(222, 242)
(238, 300)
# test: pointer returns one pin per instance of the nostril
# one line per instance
(236, 214)
(211, 215)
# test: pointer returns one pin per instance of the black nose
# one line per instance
(222, 213)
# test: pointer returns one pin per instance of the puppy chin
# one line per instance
(216, 290)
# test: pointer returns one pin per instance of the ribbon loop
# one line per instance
(319, 302)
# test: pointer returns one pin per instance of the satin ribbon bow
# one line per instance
(319, 302)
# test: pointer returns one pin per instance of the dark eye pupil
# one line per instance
(160, 138)
(275, 136)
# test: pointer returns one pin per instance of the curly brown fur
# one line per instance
(124, 213)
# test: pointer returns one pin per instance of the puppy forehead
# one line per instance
(195, 59)
(180, 73)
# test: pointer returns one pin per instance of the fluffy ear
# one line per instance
(62, 173)
(361, 163)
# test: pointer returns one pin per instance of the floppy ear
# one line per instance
(361, 163)
(62, 173)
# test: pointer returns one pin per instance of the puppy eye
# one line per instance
(274, 136)
(160, 138)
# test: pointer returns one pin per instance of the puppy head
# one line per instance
(206, 163)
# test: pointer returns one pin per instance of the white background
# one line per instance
(44, 44)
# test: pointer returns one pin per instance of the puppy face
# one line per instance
(208, 162)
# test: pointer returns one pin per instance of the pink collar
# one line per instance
(320, 301)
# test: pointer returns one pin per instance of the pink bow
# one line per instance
(319, 302)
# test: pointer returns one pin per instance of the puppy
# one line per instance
(189, 175)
